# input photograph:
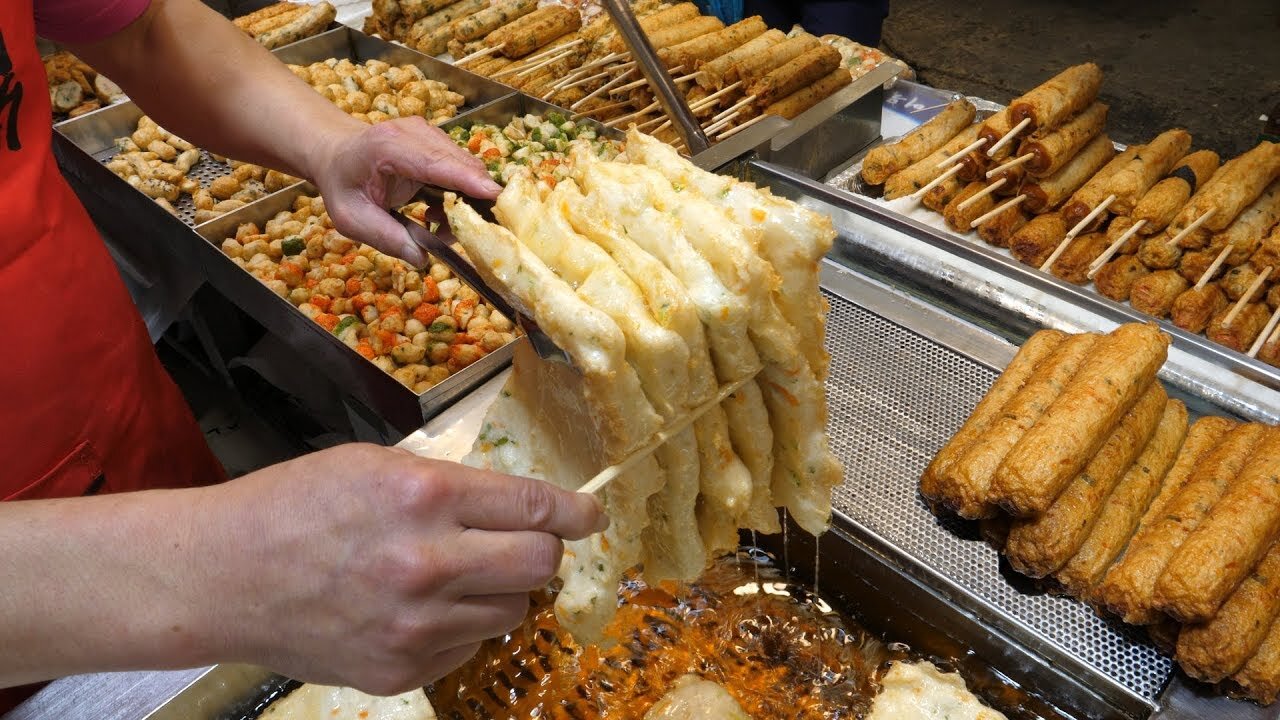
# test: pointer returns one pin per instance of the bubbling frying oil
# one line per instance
(777, 649)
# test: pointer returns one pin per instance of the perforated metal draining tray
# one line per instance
(895, 397)
(206, 171)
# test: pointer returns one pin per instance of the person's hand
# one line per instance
(373, 568)
(368, 169)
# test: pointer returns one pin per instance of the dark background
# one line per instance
(1211, 67)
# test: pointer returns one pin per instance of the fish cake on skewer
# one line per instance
(1131, 183)
(1057, 99)
(885, 160)
(1154, 294)
(1163, 201)
(1115, 280)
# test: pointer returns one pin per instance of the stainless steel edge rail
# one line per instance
(1254, 370)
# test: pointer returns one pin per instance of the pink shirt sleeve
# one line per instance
(85, 21)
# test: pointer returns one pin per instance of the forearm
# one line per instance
(103, 583)
(201, 77)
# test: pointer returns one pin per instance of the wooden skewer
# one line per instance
(642, 82)
(961, 153)
(1009, 165)
(1193, 226)
(609, 474)
(1093, 215)
(945, 176)
(1008, 137)
(656, 121)
(665, 124)
(601, 62)
(538, 66)
(718, 126)
(686, 78)
(1012, 202)
(482, 52)
(736, 106)
(604, 108)
(601, 90)
(740, 128)
(539, 55)
(1114, 248)
(713, 97)
(627, 118)
(583, 81)
(1213, 268)
(1267, 335)
(982, 193)
(1246, 297)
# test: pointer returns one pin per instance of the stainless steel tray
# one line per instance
(360, 379)
(349, 43)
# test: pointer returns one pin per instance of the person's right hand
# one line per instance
(373, 568)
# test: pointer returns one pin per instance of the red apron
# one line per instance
(85, 405)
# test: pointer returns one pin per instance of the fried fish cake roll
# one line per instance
(719, 73)
(1268, 252)
(1236, 184)
(1237, 281)
(1034, 351)
(477, 25)
(1034, 242)
(883, 161)
(1039, 546)
(1115, 279)
(960, 474)
(1118, 226)
(1194, 264)
(1083, 201)
(1243, 330)
(1226, 546)
(1260, 676)
(694, 52)
(1194, 308)
(1126, 504)
(1245, 233)
(1155, 294)
(757, 66)
(940, 195)
(1163, 201)
(315, 19)
(804, 70)
(1131, 183)
(414, 9)
(244, 22)
(1000, 229)
(1044, 194)
(959, 220)
(801, 100)
(668, 17)
(1053, 102)
(1074, 262)
(923, 171)
(540, 31)
(1214, 451)
(1051, 148)
(1159, 252)
(1213, 650)
(1013, 177)
(1073, 428)
(993, 128)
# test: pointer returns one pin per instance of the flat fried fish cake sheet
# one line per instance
(564, 424)
(659, 356)
(794, 238)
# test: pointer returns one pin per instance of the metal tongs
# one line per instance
(442, 249)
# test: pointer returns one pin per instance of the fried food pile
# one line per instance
(1083, 471)
(663, 283)
(1168, 229)
(158, 163)
(286, 22)
(75, 88)
(535, 142)
(744, 70)
(376, 91)
(418, 326)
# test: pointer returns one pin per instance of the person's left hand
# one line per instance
(368, 169)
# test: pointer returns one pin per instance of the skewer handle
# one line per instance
(961, 153)
(1008, 137)
(1267, 335)
(1009, 165)
(1193, 226)
(1246, 297)
(983, 193)
(1114, 248)
(1012, 202)
(945, 176)
(1093, 215)
(1213, 268)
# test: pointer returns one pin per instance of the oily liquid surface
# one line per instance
(778, 650)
